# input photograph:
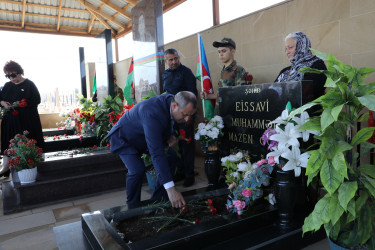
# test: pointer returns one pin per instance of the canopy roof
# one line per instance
(71, 17)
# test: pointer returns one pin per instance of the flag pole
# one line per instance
(201, 71)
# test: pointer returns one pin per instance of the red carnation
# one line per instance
(182, 134)
(15, 112)
(23, 103)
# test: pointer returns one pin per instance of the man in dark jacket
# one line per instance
(175, 79)
(149, 125)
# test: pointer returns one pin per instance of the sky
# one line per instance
(52, 61)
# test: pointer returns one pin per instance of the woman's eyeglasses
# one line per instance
(12, 75)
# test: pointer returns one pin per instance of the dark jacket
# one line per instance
(318, 79)
(147, 125)
(181, 79)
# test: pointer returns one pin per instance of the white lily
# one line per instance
(287, 137)
(276, 153)
(302, 120)
(281, 119)
(296, 160)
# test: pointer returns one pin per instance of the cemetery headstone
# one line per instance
(148, 47)
(247, 110)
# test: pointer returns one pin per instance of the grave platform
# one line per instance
(260, 231)
(72, 142)
(65, 178)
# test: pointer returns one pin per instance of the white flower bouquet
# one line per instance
(208, 133)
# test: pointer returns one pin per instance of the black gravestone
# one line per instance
(247, 110)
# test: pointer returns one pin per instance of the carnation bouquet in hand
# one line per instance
(283, 136)
(18, 104)
(208, 133)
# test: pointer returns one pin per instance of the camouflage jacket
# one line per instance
(233, 75)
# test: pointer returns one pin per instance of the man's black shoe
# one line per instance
(189, 182)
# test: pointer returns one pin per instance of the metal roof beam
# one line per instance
(91, 9)
(59, 16)
(116, 8)
(23, 13)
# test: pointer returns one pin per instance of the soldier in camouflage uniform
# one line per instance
(232, 74)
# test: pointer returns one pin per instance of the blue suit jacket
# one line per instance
(147, 125)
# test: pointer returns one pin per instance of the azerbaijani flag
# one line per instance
(129, 84)
(203, 75)
(94, 84)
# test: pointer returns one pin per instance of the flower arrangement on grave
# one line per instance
(244, 180)
(107, 114)
(23, 152)
(209, 132)
(12, 110)
(81, 117)
(284, 137)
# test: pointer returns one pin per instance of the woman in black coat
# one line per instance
(21, 98)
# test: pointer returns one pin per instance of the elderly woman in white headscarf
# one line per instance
(297, 49)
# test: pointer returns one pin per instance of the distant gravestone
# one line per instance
(148, 47)
(247, 110)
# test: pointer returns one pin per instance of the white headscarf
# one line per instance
(302, 58)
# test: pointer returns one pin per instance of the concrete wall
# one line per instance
(344, 28)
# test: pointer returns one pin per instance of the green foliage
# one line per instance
(110, 107)
(347, 210)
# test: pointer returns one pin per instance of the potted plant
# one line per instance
(150, 171)
(24, 157)
(346, 209)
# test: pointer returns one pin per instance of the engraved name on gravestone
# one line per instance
(247, 110)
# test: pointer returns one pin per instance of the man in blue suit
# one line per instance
(149, 125)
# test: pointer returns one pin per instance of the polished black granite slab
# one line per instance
(64, 179)
(72, 142)
(55, 131)
(260, 231)
(247, 110)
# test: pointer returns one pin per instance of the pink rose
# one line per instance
(239, 204)
(232, 185)
(261, 162)
(246, 192)
(271, 160)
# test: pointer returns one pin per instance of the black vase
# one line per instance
(286, 188)
(212, 167)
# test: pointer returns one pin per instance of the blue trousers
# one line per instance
(136, 171)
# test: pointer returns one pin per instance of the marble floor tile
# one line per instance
(71, 212)
(27, 221)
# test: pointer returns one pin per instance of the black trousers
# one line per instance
(187, 151)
